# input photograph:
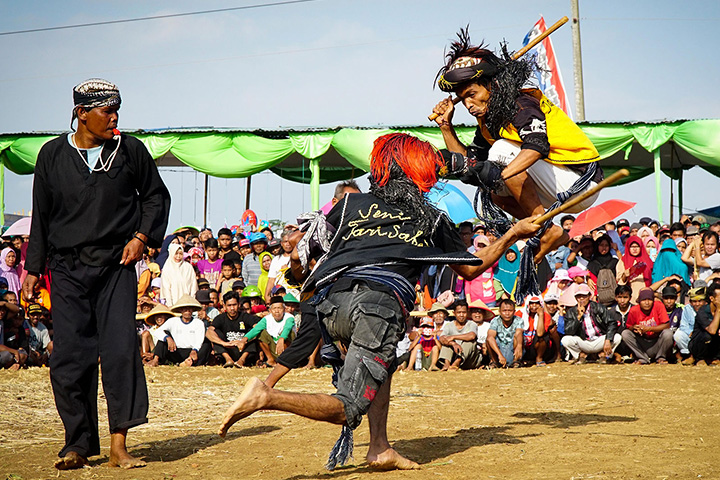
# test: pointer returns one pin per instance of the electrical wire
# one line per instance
(155, 17)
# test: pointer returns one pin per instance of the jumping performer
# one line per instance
(535, 150)
(364, 289)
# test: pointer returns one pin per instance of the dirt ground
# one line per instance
(563, 421)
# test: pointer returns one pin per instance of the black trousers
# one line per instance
(94, 316)
(181, 354)
(704, 346)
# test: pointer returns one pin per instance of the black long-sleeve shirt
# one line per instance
(93, 215)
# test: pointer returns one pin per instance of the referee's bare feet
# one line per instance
(71, 461)
(253, 397)
(389, 459)
(119, 456)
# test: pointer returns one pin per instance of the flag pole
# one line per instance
(577, 62)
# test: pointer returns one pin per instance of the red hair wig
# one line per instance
(418, 159)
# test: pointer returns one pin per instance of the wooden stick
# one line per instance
(520, 52)
(620, 174)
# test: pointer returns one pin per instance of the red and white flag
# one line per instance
(548, 75)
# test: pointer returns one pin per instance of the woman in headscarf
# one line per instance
(506, 271)
(481, 287)
(265, 261)
(8, 260)
(669, 262)
(178, 276)
(163, 255)
(602, 257)
(559, 283)
(635, 269)
(652, 245)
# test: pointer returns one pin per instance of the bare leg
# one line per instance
(266, 350)
(277, 373)
(119, 456)
(71, 461)
(555, 336)
(380, 454)
(258, 396)
(312, 359)
(241, 361)
(228, 360)
(434, 354)
(540, 351)
(413, 358)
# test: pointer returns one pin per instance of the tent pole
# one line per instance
(2, 194)
(680, 193)
(205, 202)
(247, 192)
(672, 191)
(315, 183)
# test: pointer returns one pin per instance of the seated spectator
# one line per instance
(184, 341)
(280, 263)
(703, 253)
(438, 313)
(14, 344)
(149, 338)
(538, 348)
(682, 335)
(274, 331)
(618, 313)
(207, 313)
(552, 308)
(227, 331)
(146, 278)
(426, 345)
(705, 342)
(648, 329)
(589, 329)
(505, 337)
(253, 293)
(672, 308)
(668, 263)
(41, 346)
(481, 315)
(178, 277)
(458, 341)
(292, 306)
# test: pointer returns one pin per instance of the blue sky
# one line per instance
(334, 63)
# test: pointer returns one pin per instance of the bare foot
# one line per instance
(187, 363)
(239, 364)
(14, 367)
(390, 460)
(453, 368)
(253, 397)
(124, 460)
(154, 362)
(71, 461)
(434, 369)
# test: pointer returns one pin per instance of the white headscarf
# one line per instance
(10, 273)
(178, 278)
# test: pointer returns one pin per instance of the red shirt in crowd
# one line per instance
(656, 316)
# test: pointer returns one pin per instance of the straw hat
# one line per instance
(186, 301)
(438, 307)
(159, 309)
(480, 305)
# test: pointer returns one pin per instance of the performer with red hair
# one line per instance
(364, 291)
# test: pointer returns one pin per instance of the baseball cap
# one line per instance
(582, 289)
(244, 242)
(238, 284)
(552, 297)
(274, 243)
(203, 282)
(646, 294)
(34, 308)
(156, 282)
(646, 220)
(669, 292)
(692, 230)
(623, 222)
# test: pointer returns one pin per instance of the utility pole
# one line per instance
(577, 62)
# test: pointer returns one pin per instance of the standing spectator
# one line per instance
(566, 222)
(505, 337)
(669, 262)
(506, 273)
(225, 245)
(228, 277)
(589, 329)
(8, 261)
(604, 266)
(648, 329)
(465, 229)
(94, 211)
(251, 269)
(635, 269)
(210, 268)
(682, 335)
(704, 256)
(227, 331)
(184, 341)
(266, 259)
(178, 277)
(458, 341)
(705, 342)
(481, 287)
(280, 263)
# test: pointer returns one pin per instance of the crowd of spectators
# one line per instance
(640, 292)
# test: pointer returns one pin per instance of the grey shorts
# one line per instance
(370, 323)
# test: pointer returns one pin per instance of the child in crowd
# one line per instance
(425, 344)
(227, 277)
(211, 268)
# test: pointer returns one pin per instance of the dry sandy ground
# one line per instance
(563, 421)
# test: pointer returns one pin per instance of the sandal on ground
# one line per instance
(515, 364)
(541, 364)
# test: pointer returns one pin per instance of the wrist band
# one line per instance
(143, 241)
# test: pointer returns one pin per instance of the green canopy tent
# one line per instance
(320, 155)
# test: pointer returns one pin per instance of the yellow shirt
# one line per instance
(568, 144)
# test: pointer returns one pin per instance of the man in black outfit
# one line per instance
(227, 329)
(705, 341)
(98, 201)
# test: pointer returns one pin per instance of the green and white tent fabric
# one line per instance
(320, 155)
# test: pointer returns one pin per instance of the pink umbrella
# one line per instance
(21, 227)
(599, 215)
